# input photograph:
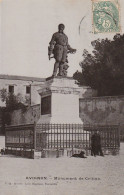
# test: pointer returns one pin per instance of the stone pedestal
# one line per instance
(60, 101)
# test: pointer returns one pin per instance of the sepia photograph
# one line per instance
(61, 97)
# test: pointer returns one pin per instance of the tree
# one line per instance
(13, 102)
(103, 70)
(3, 94)
(78, 76)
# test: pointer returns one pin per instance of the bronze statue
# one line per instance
(59, 47)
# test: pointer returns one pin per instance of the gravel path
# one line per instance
(63, 176)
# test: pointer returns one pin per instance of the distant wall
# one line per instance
(103, 111)
(32, 115)
(87, 92)
(99, 110)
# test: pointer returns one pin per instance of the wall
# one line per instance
(18, 117)
(103, 111)
(86, 92)
(99, 110)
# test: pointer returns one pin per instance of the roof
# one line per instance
(23, 78)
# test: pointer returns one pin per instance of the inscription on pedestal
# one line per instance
(46, 105)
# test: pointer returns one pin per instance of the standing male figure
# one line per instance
(96, 145)
(59, 47)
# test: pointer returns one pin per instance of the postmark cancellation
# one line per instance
(106, 16)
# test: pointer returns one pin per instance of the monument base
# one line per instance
(60, 101)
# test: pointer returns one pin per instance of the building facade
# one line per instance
(25, 87)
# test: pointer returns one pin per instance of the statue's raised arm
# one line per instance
(59, 48)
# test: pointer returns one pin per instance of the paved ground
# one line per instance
(63, 176)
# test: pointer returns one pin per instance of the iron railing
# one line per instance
(60, 136)
(21, 136)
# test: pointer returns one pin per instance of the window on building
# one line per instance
(11, 89)
(28, 89)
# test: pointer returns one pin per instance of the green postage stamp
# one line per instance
(106, 16)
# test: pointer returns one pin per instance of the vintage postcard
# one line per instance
(61, 97)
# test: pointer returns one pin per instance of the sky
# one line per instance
(26, 28)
